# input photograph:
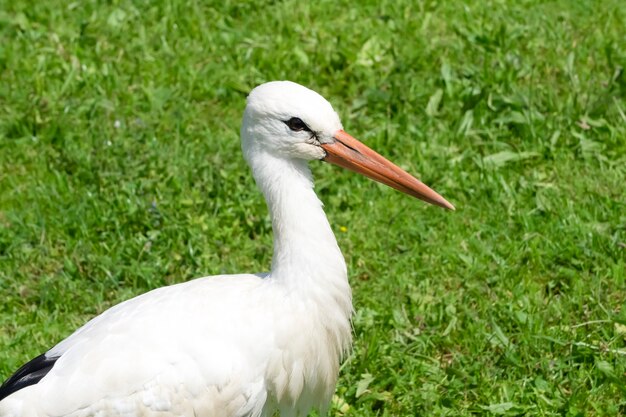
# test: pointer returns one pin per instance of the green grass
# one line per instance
(120, 171)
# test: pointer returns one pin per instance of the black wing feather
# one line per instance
(28, 374)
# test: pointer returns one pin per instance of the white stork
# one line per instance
(230, 345)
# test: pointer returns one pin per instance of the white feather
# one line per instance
(232, 346)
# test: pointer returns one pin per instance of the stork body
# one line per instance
(205, 348)
(228, 345)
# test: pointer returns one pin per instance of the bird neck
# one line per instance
(305, 249)
(309, 267)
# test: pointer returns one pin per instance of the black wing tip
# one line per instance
(29, 374)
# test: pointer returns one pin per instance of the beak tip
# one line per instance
(442, 202)
(448, 206)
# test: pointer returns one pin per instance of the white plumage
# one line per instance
(229, 345)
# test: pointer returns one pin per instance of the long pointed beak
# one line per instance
(349, 153)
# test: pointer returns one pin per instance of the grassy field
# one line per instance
(120, 171)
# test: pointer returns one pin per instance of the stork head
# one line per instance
(288, 119)
(292, 121)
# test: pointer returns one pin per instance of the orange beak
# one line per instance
(349, 153)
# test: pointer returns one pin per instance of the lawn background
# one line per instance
(120, 171)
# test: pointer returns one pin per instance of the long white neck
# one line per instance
(309, 266)
(306, 255)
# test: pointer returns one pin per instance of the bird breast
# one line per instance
(310, 340)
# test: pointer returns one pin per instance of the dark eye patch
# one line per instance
(297, 125)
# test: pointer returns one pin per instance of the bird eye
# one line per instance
(296, 124)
